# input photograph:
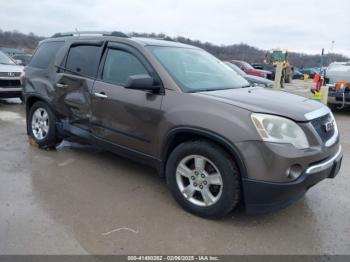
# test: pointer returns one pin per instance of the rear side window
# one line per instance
(120, 65)
(45, 53)
(83, 59)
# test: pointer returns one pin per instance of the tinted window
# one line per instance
(120, 65)
(83, 59)
(45, 54)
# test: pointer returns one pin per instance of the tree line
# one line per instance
(15, 39)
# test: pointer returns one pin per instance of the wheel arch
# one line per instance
(182, 134)
(32, 99)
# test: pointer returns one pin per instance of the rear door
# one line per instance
(126, 117)
(74, 82)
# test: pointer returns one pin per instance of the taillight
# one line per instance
(23, 78)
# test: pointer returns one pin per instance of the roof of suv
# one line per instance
(116, 36)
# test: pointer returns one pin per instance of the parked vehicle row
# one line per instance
(310, 71)
(217, 140)
(253, 80)
(22, 59)
(18, 55)
(268, 70)
(250, 70)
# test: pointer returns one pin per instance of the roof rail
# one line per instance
(78, 33)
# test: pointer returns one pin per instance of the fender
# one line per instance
(209, 135)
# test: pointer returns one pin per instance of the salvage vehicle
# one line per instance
(338, 78)
(10, 72)
(297, 74)
(253, 80)
(248, 69)
(309, 71)
(266, 67)
(217, 140)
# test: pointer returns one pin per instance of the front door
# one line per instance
(126, 117)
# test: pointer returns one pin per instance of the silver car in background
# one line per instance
(10, 73)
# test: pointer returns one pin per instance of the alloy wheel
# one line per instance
(199, 180)
(40, 123)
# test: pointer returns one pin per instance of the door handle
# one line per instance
(61, 85)
(101, 95)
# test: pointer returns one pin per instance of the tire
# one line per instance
(49, 138)
(182, 176)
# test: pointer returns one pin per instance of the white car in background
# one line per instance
(10, 73)
(338, 72)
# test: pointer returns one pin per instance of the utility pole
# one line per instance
(331, 52)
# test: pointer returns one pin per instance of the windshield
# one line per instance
(5, 60)
(236, 69)
(195, 70)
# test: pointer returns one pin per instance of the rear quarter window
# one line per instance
(45, 53)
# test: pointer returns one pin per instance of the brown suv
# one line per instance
(217, 140)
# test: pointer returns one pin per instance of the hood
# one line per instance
(262, 100)
(11, 68)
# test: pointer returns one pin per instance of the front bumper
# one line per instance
(336, 98)
(8, 92)
(264, 197)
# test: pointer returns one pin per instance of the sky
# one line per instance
(303, 26)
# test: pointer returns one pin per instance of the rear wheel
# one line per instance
(41, 124)
(203, 179)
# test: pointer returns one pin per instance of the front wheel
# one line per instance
(41, 124)
(203, 179)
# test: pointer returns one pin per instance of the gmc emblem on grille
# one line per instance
(10, 74)
(329, 125)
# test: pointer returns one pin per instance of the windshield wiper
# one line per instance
(211, 89)
(244, 86)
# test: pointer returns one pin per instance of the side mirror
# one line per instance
(141, 82)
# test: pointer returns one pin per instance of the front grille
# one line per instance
(9, 83)
(347, 99)
(10, 74)
(320, 126)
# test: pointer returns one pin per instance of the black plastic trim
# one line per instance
(122, 133)
(67, 129)
(264, 197)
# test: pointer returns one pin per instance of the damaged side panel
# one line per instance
(73, 100)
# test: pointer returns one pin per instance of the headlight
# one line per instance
(279, 130)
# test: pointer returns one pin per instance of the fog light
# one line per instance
(294, 171)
